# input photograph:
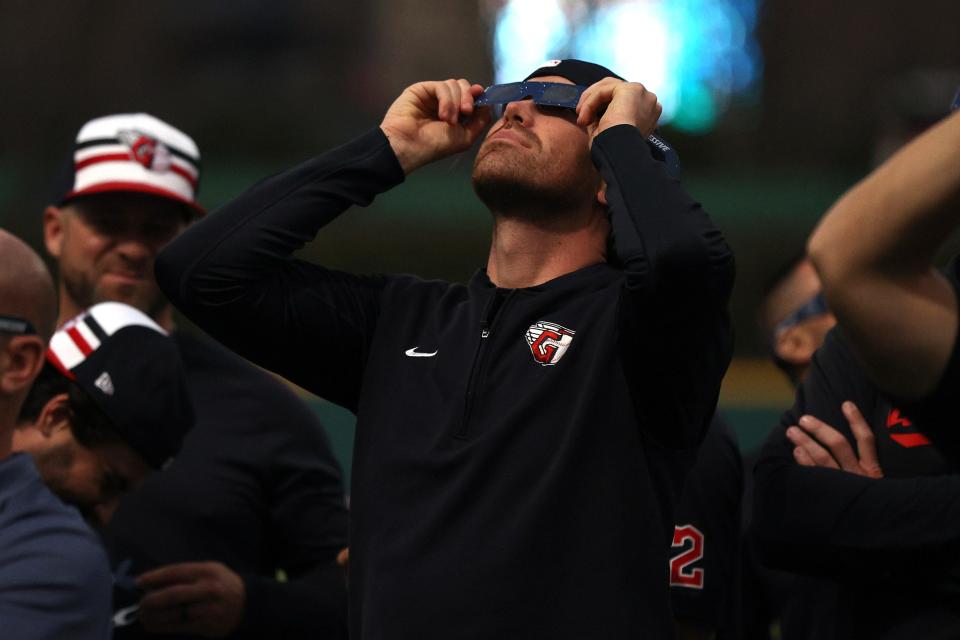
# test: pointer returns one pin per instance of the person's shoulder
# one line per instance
(236, 392)
(46, 538)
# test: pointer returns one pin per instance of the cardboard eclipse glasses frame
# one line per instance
(557, 94)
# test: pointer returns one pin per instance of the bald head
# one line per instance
(26, 287)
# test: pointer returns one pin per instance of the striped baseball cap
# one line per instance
(132, 371)
(133, 152)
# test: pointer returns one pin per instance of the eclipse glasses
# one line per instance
(566, 96)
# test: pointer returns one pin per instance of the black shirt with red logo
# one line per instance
(518, 452)
(891, 544)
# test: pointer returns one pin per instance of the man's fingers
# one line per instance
(175, 596)
(839, 447)
(172, 573)
(866, 442)
(466, 97)
(803, 458)
(591, 102)
(447, 106)
(820, 456)
(587, 105)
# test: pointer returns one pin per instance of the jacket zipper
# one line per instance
(486, 329)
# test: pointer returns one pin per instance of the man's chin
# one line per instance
(141, 296)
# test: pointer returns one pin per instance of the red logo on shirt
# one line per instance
(548, 342)
(903, 432)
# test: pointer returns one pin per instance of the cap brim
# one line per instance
(135, 187)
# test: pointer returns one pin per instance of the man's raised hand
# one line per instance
(432, 120)
(612, 102)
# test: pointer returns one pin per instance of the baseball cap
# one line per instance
(132, 371)
(576, 71)
(133, 152)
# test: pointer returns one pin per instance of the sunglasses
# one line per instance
(16, 326)
(815, 306)
(565, 96)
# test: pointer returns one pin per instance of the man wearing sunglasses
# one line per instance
(54, 577)
(520, 439)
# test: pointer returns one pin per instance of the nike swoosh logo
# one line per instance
(413, 353)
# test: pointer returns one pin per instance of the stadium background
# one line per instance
(802, 98)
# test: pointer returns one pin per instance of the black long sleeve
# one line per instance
(830, 522)
(232, 272)
(679, 275)
(463, 415)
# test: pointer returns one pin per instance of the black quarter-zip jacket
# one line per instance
(517, 452)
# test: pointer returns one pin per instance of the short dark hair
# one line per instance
(90, 425)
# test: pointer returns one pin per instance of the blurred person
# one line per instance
(521, 440)
(54, 577)
(254, 488)
(110, 404)
(848, 487)
(902, 214)
(793, 320)
(794, 317)
(705, 560)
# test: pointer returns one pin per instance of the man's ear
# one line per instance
(795, 345)
(55, 416)
(22, 359)
(602, 194)
(54, 222)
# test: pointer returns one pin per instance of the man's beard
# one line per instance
(85, 293)
(513, 188)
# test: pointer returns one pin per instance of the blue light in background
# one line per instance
(696, 55)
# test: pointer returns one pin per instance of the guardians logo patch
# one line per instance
(548, 342)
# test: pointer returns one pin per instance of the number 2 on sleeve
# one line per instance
(690, 540)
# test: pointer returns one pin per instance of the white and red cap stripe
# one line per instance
(135, 152)
(73, 343)
(131, 369)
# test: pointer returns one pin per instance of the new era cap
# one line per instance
(576, 71)
(134, 152)
(132, 370)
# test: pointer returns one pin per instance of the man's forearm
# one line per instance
(894, 220)
(659, 231)
(830, 522)
(215, 260)
(874, 251)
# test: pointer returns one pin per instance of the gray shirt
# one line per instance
(55, 581)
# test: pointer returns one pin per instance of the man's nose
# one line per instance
(135, 248)
(520, 111)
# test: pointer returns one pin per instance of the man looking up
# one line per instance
(254, 487)
(519, 439)
(54, 577)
